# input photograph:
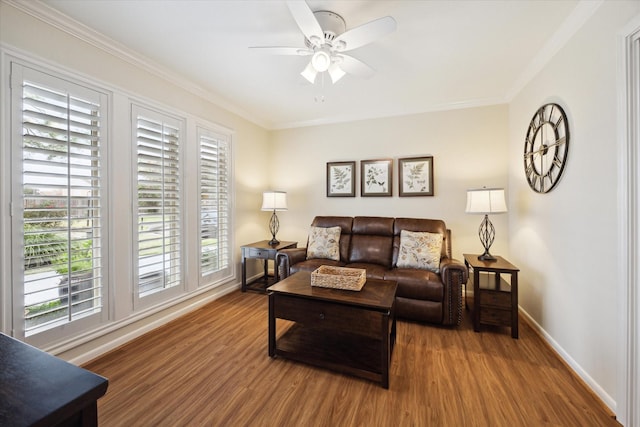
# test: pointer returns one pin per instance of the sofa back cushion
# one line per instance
(420, 224)
(372, 241)
(345, 223)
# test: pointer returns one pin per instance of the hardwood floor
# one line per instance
(211, 368)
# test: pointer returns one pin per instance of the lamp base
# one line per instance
(486, 232)
(274, 224)
(487, 257)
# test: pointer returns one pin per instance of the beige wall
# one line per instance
(469, 147)
(565, 241)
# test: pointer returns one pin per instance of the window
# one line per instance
(158, 201)
(214, 173)
(57, 198)
(86, 258)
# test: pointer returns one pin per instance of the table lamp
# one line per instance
(274, 201)
(486, 201)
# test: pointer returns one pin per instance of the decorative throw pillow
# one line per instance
(324, 242)
(420, 250)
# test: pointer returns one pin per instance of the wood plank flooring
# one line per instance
(211, 368)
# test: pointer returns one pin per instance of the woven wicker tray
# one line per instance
(351, 279)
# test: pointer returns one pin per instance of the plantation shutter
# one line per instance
(214, 203)
(158, 201)
(62, 196)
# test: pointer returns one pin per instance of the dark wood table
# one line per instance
(262, 250)
(495, 301)
(353, 332)
(37, 389)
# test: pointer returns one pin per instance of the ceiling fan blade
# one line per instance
(355, 67)
(281, 50)
(365, 34)
(308, 23)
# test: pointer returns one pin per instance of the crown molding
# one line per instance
(459, 105)
(576, 19)
(53, 17)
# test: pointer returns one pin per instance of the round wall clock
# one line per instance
(546, 147)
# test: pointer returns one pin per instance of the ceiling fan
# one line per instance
(326, 40)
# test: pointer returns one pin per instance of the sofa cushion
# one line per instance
(417, 284)
(371, 241)
(312, 264)
(373, 225)
(374, 271)
(420, 250)
(371, 250)
(324, 242)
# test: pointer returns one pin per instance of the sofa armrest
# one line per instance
(454, 274)
(452, 269)
(285, 258)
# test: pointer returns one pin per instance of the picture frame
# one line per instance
(376, 178)
(341, 179)
(415, 176)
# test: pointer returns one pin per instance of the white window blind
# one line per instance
(61, 221)
(214, 203)
(159, 204)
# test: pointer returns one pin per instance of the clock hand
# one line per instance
(558, 142)
(533, 153)
(544, 148)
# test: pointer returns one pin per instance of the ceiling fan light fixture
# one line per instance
(321, 61)
(309, 73)
(335, 72)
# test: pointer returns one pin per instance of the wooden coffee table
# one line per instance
(352, 332)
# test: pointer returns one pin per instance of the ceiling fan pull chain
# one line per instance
(320, 98)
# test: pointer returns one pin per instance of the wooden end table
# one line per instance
(353, 332)
(262, 250)
(495, 301)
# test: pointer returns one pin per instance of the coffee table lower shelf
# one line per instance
(347, 353)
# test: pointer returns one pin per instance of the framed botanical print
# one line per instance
(415, 176)
(376, 177)
(341, 179)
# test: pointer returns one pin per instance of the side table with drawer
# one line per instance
(495, 301)
(264, 251)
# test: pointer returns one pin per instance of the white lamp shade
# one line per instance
(309, 73)
(486, 201)
(335, 72)
(274, 201)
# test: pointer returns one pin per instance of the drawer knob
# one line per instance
(321, 316)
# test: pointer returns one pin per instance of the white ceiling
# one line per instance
(443, 55)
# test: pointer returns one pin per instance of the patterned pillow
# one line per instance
(324, 242)
(420, 250)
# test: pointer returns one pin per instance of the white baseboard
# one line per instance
(119, 340)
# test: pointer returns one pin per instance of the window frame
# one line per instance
(225, 136)
(173, 292)
(21, 70)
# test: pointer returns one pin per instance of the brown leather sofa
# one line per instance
(373, 243)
